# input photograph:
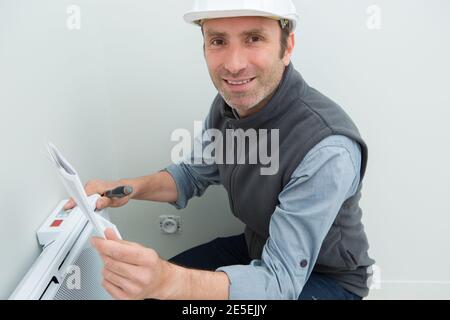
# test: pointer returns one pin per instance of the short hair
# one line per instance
(285, 32)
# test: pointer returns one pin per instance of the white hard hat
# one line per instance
(213, 9)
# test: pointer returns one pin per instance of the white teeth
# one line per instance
(239, 82)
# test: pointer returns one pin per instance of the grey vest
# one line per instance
(304, 117)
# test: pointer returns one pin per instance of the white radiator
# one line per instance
(68, 267)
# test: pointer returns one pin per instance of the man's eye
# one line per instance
(217, 42)
(253, 39)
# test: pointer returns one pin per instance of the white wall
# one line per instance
(52, 87)
(394, 83)
(134, 72)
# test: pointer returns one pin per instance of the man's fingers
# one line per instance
(94, 186)
(116, 292)
(69, 204)
(103, 203)
(133, 244)
(99, 187)
(110, 234)
(123, 269)
(123, 252)
(123, 283)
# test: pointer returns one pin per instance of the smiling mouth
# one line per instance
(238, 82)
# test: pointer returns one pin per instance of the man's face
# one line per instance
(243, 58)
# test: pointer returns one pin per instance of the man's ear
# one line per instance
(289, 49)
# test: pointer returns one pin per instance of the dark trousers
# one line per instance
(233, 250)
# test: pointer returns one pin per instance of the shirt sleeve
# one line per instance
(328, 175)
(194, 174)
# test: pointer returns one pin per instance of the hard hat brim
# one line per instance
(195, 16)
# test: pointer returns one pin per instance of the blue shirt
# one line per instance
(309, 203)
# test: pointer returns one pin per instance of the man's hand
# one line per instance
(132, 271)
(100, 187)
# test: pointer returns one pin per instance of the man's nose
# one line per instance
(236, 61)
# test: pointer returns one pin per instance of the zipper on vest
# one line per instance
(232, 189)
(233, 171)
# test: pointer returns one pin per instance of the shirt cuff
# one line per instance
(256, 282)
(240, 288)
(178, 176)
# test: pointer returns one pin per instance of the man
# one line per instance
(304, 238)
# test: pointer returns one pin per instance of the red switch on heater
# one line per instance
(56, 223)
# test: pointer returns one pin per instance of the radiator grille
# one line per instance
(90, 288)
